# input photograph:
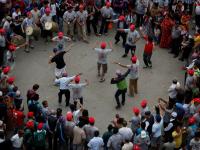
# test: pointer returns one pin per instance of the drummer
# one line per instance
(28, 22)
(44, 19)
(69, 18)
(61, 39)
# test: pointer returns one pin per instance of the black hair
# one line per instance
(150, 38)
(110, 127)
(59, 111)
(115, 130)
(36, 97)
(96, 133)
(85, 113)
(72, 107)
(36, 86)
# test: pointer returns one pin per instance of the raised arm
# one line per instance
(121, 65)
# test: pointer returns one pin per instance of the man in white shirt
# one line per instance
(96, 143)
(64, 88)
(69, 18)
(132, 37)
(172, 91)
(81, 23)
(60, 39)
(102, 59)
(17, 140)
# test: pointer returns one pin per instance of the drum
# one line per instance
(36, 31)
(48, 26)
(29, 30)
(17, 40)
(54, 27)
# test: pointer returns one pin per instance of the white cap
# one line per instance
(178, 85)
(1, 123)
(143, 134)
(18, 93)
(174, 114)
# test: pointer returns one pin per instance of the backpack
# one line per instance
(39, 138)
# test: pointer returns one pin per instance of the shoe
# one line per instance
(116, 41)
(102, 80)
(86, 41)
(123, 103)
(97, 34)
(118, 106)
(27, 50)
(31, 46)
(150, 66)
(100, 34)
(125, 55)
(145, 67)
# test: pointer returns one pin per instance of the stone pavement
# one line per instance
(99, 99)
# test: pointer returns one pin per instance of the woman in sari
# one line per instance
(166, 29)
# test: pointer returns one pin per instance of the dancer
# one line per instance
(102, 59)
(60, 39)
(132, 37)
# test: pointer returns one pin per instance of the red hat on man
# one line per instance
(190, 72)
(60, 35)
(69, 116)
(28, 13)
(196, 100)
(108, 4)
(134, 59)
(136, 147)
(30, 114)
(136, 110)
(81, 6)
(91, 120)
(30, 124)
(40, 126)
(12, 48)
(6, 69)
(11, 80)
(77, 79)
(132, 27)
(121, 18)
(103, 45)
(191, 120)
(47, 10)
(143, 103)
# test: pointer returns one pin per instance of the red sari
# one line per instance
(166, 29)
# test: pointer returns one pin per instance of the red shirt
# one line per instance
(148, 48)
(19, 117)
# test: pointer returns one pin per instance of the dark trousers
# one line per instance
(120, 34)
(188, 7)
(94, 26)
(69, 143)
(186, 52)
(139, 20)
(197, 20)
(176, 46)
(2, 51)
(104, 25)
(67, 96)
(147, 59)
(118, 93)
(129, 47)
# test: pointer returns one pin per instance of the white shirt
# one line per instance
(61, 41)
(53, 9)
(134, 70)
(172, 91)
(17, 141)
(36, 15)
(15, 14)
(82, 16)
(131, 36)
(77, 89)
(45, 19)
(106, 12)
(126, 133)
(63, 82)
(102, 55)
(69, 16)
(96, 143)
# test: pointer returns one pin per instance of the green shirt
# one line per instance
(122, 85)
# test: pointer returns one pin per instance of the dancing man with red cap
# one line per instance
(133, 75)
(102, 59)
(132, 37)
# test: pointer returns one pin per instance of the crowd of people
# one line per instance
(171, 24)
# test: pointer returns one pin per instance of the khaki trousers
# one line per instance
(69, 29)
(82, 31)
(133, 87)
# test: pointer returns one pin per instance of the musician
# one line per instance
(81, 23)
(107, 13)
(36, 14)
(44, 19)
(28, 22)
(43, 8)
(60, 39)
(69, 18)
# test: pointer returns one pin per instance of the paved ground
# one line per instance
(98, 97)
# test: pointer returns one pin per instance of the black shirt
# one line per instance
(58, 59)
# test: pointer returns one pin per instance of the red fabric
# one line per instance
(166, 29)
(148, 48)
(20, 3)
(19, 117)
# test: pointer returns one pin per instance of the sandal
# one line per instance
(102, 80)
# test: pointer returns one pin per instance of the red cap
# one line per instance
(12, 48)
(136, 110)
(121, 18)
(91, 120)
(134, 59)
(60, 34)
(143, 103)
(132, 27)
(30, 114)
(136, 147)
(2, 31)
(30, 124)
(108, 4)
(191, 120)
(81, 6)
(28, 13)
(190, 72)
(103, 45)
(40, 126)
(77, 79)
(196, 100)
(6, 69)
(11, 80)
(69, 116)
(47, 10)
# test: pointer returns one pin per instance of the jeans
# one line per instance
(67, 96)
(139, 20)
(104, 25)
(147, 59)
(94, 26)
(118, 93)
(129, 47)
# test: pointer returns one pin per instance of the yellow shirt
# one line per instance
(177, 139)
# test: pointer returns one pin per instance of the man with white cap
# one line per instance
(120, 81)
(143, 140)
